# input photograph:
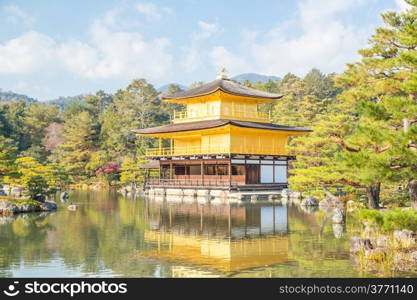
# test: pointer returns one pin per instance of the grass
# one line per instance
(390, 220)
(18, 201)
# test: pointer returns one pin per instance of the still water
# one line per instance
(113, 236)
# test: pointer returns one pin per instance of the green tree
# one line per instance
(383, 88)
(136, 107)
(130, 172)
(8, 154)
(37, 179)
(80, 143)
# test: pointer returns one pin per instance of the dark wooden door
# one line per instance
(252, 174)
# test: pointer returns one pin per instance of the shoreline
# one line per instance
(11, 206)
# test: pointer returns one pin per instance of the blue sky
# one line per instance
(62, 48)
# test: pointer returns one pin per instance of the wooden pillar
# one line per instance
(230, 173)
(202, 172)
(160, 146)
(171, 170)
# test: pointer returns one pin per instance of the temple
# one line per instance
(222, 140)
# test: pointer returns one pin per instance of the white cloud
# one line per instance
(16, 15)
(108, 53)
(149, 10)
(26, 53)
(324, 42)
(221, 57)
(206, 30)
(402, 5)
(195, 54)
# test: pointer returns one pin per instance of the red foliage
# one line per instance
(109, 168)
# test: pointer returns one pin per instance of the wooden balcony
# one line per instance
(214, 149)
(255, 116)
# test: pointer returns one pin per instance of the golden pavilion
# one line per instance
(221, 140)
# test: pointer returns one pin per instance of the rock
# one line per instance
(48, 206)
(338, 216)
(329, 203)
(64, 197)
(413, 256)
(337, 230)
(28, 208)
(272, 197)
(287, 193)
(40, 198)
(404, 238)
(72, 207)
(308, 209)
(16, 192)
(309, 201)
(357, 244)
(7, 207)
(381, 241)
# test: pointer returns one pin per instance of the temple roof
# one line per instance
(200, 125)
(226, 85)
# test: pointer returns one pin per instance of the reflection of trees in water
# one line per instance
(22, 238)
(107, 232)
(314, 247)
(103, 234)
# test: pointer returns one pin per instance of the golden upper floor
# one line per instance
(221, 137)
(221, 99)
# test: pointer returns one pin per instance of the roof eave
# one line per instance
(172, 99)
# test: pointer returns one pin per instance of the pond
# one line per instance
(113, 236)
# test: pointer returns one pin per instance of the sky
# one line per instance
(52, 48)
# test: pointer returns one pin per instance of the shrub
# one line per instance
(395, 219)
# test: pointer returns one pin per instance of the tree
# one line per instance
(36, 178)
(80, 143)
(170, 108)
(109, 171)
(383, 88)
(136, 107)
(318, 168)
(8, 154)
(130, 172)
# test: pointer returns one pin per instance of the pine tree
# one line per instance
(8, 154)
(383, 88)
(80, 143)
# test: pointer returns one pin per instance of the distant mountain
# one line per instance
(63, 101)
(164, 88)
(253, 77)
(8, 96)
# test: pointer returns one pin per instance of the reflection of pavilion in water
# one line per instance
(216, 238)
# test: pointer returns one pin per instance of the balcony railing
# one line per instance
(184, 116)
(215, 149)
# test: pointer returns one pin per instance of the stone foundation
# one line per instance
(214, 196)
